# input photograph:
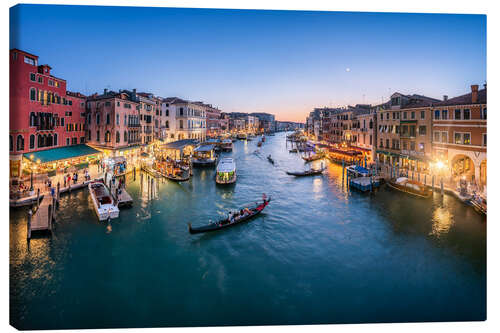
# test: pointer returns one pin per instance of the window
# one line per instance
(421, 146)
(97, 118)
(413, 115)
(181, 113)
(32, 141)
(386, 143)
(466, 114)
(405, 115)
(67, 142)
(412, 145)
(20, 142)
(32, 119)
(483, 113)
(98, 136)
(458, 114)
(55, 139)
(117, 137)
(444, 114)
(125, 136)
(436, 114)
(422, 114)
(181, 125)
(40, 79)
(117, 119)
(89, 135)
(33, 94)
(422, 130)
(381, 143)
(412, 130)
(62, 122)
(484, 139)
(33, 77)
(405, 145)
(107, 103)
(107, 137)
(444, 137)
(117, 103)
(74, 141)
(29, 60)
(437, 136)
(166, 124)
(466, 138)
(82, 139)
(51, 83)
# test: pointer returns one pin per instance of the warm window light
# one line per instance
(439, 165)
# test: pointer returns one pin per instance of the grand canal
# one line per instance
(318, 254)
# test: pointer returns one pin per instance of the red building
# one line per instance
(43, 115)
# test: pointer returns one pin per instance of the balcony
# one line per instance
(133, 125)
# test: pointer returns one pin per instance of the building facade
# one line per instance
(43, 114)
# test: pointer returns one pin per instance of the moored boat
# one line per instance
(204, 155)
(226, 171)
(103, 202)
(233, 219)
(313, 157)
(412, 187)
(227, 145)
(479, 204)
(270, 159)
(259, 144)
(241, 136)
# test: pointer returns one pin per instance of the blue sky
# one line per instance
(282, 62)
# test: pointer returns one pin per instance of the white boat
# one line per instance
(227, 145)
(103, 201)
(226, 171)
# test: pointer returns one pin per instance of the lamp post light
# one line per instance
(31, 173)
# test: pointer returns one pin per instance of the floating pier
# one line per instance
(43, 217)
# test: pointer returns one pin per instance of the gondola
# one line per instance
(226, 223)
(270, 159)
(176, 178)
(259, 144)
(311, 172)
(294, 150)
(313, 157)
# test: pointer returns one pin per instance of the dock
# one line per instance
(43, 217)
(123, 198)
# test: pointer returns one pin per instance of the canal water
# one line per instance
(318, 254)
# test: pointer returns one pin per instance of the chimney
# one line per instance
(445, 98)
(134, 90)
(105, 91)
(484, 85)
(473, 89)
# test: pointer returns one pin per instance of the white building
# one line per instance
(183, 119)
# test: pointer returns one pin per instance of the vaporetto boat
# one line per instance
(226, 171)
(103, 202)
(204, 155)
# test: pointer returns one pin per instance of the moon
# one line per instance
(347, 69)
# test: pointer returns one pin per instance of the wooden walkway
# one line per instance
(43, 217)
(123, 199)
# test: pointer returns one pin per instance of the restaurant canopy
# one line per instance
(180, 144)
(62, 153)
(204, 148)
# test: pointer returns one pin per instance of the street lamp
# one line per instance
(31, 174)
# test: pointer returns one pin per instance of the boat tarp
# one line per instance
(204, 148)
(180, 144)
(62, 153)
(359, 169)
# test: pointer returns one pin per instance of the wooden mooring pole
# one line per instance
(30, 215)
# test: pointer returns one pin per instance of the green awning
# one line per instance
(63, 153)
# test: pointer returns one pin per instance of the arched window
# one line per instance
(11, 144)
(97, 118)
(117, 137)
(55, 139)
(107, 137)
(39, 141)
(107, 119)
(166, 124)
(20, 142)
(49, 140)
(32, 141)
(33, 94)
(125, 136)
(32, 119)
(89, 136)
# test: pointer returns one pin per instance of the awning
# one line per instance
(204, 148)
(180, 144)
(129, 148)
(62, 153)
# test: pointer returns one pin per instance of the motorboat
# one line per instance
(103, 202)
(412, 187)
